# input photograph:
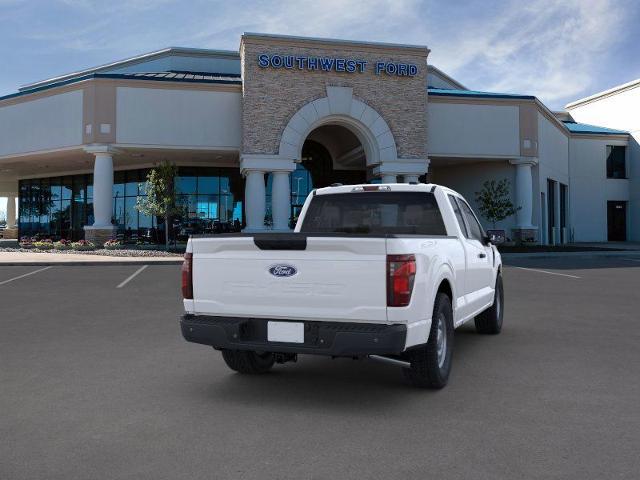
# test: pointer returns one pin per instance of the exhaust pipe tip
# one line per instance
(390, 361)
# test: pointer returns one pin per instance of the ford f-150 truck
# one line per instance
(371, 271)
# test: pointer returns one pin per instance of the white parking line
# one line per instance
(550, 273)
(131, 277)
(25, 275)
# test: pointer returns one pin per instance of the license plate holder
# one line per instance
(285, 332)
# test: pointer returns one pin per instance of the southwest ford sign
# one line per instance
(334, 64)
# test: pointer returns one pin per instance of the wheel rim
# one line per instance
(441, 340)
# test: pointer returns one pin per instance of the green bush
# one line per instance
(83, 245)
(62, 245)
(43, 244)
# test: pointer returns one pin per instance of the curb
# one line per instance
(91, 263)
(614, 254)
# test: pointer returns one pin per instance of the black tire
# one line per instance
(426, 371)
(248, 362)
(489, 322)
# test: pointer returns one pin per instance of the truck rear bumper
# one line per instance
(320, 338)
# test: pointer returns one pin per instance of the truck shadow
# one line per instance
(319, 383)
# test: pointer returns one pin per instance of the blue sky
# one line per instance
(557, 50)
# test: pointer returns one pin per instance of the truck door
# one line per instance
(479, 283)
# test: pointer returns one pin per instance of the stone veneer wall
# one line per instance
(272, 96)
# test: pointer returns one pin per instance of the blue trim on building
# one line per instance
(227, 79)
(585, 128)
(444, 92)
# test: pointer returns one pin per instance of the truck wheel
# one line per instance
(248, 362)
(431, 363)
(490, 321)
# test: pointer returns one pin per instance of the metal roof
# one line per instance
(585, 128)
(134, 60)
(177, 75)
(187, 77)
(444, 92)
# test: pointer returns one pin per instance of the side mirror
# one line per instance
(497, 237)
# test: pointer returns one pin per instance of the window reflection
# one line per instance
(59, 207)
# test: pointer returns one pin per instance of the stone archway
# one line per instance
(339, 107)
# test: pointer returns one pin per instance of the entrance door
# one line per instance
(551, 211)
(617, 221)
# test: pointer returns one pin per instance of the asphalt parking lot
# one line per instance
(96, 382)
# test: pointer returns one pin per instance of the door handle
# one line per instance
(482, 255)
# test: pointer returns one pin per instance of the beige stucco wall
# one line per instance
(460, 129)
(45, 123)
(178, 117)
(272, 96)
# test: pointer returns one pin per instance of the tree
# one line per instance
(494, 201)
(160, 199)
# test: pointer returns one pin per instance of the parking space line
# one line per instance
(132, 276)
(550, 273)
(25, 275)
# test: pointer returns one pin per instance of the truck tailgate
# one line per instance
(336, 278)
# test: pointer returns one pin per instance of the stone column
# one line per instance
(388, 178)
(255, 200)
(409, 169)
(254, 166)
(525, 230)
(11, 212)
(411, 178)
(11, 232)
(102, 229)
(281, 200)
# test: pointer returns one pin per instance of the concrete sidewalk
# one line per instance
(635, 254)
(37, 259)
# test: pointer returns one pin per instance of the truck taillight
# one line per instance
(187, 277)
(401, 273)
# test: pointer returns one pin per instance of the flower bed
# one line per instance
(83, 245)
(43, 244)
(113, 244)
(62, 245)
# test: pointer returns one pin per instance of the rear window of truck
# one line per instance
(408, 213)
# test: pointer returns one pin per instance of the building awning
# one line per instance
(444, 92)
(170, 76)
(585, 128)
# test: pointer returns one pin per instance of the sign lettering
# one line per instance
(332, 64)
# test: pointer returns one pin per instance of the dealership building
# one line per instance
(253, 131)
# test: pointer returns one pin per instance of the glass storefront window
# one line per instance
(60, 207)
(186, 184)
(208, 185)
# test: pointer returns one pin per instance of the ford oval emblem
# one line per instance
(283, 270)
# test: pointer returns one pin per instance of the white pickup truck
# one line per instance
(371, 271)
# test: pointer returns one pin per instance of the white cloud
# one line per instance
(546, 48)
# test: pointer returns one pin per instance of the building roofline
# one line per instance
(604, 93)
(132, 61)
(542, 108)
(448, 78)
(586, 128)
(445, 92)
(336, 41)
(120, 76)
